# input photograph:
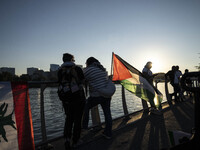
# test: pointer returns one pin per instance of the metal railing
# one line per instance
(42, 85)
(195, 88)
(96, 121)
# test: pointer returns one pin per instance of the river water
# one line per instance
(54, 113)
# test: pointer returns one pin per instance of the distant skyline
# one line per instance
(37, 33)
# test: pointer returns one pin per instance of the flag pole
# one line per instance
(111, 65)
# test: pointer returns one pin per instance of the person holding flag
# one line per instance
(149, 77)
(148, 73)
(135, 82)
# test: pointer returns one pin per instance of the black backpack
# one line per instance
(69, 84)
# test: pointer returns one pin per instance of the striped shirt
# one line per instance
(96, 79)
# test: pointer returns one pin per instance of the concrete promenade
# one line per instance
(142, 131)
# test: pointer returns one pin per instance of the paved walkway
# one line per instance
(143, 131)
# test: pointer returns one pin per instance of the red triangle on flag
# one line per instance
(120, 72)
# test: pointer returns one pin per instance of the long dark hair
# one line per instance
(94, 62)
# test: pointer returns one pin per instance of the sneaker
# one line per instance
(155, 111)
(76, 144)
(146, 111)
(67, 145)
(171, 96)
(106, 136)
(84, 131)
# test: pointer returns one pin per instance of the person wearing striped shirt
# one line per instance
(96, 77)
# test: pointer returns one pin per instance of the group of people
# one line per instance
(174, 76)
(75, 104)
(72, 80)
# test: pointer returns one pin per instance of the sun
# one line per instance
(156, 65)
(154, 53)
(157, 62)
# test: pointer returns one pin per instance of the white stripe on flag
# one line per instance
(10, 134)
(176, 136)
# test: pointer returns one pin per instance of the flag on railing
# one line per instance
(16, 129)
(134, 81)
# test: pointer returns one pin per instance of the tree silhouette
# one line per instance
(198, 67)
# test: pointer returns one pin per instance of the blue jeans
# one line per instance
(105, 104)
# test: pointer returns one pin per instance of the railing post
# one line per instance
(145, 105)
(124, 102)
(96, 120)
(156, 84)
(42, 117)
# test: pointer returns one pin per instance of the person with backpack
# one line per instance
(97, 79)
(71, 93)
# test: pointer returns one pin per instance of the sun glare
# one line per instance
(156, 65)
(156, 58)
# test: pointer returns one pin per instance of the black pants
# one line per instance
(177, 90)
(74, 113)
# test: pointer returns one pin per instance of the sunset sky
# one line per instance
(35, 33)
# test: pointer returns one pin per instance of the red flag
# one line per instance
(120, 72)
(134, 81)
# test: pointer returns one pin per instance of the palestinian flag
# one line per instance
(134, 81)
(16, 129)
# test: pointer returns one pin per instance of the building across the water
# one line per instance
(54, 67)
(31, 71)
(7, 69)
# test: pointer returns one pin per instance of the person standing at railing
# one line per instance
(96, 77)
(188, 82)
(170, 75)
(71, 93)
(177, 88)
(147, 73)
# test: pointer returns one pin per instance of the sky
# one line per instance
(36, 33)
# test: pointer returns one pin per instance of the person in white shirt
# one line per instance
(177, 88)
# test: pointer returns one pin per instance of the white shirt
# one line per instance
(177, 75)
